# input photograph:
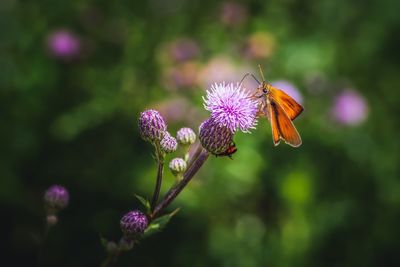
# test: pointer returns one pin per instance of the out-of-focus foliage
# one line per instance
(74, 76)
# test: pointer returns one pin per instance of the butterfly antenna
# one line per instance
(261, 72)
(247, 74)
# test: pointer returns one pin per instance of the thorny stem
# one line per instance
(174, 191)
(157, 188)
(197, 161)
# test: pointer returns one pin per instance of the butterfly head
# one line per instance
(263, 89)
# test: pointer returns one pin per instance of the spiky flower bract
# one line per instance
(231, 107)
(152, 126)
(168, 144)
(215, 138)
(133, 224)
(185, 136)
(177, 166)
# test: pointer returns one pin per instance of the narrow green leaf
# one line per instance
(159, 223)
(103, 242)
(144, 202)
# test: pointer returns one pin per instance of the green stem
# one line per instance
(160, 170)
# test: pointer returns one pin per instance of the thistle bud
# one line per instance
(177, 166)
(56, 198)
(186, 136)
(215, 138)
(133, 224)
(152, 126)
(168, 143)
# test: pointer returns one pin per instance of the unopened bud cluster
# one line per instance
(55, 198)
(153, 129)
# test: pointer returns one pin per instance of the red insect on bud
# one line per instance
(228, 152)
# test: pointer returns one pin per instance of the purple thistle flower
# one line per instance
(133, 224)
(215, 138)
(168, 143)
(56, 197)
(289, 89)
(63, 44)
(186, 136)
(152, 126)
(350, 108)
(231, 107)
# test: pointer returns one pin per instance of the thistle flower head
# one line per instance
(63, 44)
(168, 143)
(231, 107)
(350, 108)
(152, 126)
(186, 136)
(56, 197)
(177, 166)
(215, 138)
(133, 224)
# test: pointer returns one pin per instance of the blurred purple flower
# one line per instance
(350, 108)
(63, 44)
(233, 14)
(183, 49)
(219, 69)
(259, 45)
(289, 89)
(231, 107)
(174, 109)
(183, 75)
(56, 197)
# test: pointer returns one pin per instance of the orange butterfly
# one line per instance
(280, 109)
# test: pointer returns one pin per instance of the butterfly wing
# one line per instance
(291, 107)
(282, 126)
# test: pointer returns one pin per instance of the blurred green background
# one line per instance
(76, 74)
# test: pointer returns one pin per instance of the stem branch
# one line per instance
(157, 188)
(174, 191)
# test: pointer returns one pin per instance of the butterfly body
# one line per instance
(280, 109)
